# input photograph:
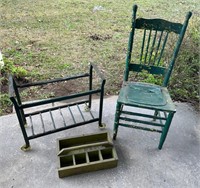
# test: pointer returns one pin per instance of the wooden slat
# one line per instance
(80, 112)
(141, 128)
(62, 117)
(56, 107)
(54, 126)
(71, 114)
(152, 47)
(147, 47)
(162, 50)
(42, 122)
(142, 115)
(141, 121)
(63, 128)
(142, 48)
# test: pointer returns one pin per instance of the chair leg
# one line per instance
(165, 130)
(155, 115)
(116, 122)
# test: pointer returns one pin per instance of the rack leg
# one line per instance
(101, 125)
(90, 87)
(26, 147)
(87, 108)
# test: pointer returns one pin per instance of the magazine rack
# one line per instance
(72, 110)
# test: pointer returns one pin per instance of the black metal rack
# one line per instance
(48, 120)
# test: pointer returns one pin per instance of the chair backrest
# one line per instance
(154, 35)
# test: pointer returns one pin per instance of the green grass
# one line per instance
(55, 38)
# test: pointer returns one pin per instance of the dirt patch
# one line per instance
(64, 88)
(51, 90)
(100, 37)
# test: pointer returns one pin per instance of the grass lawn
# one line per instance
(51, 38)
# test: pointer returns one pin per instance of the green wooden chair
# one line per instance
(142, 105)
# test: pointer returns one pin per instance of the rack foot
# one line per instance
(87, 109)
(25, 125)
(26, 148)
(102, 126)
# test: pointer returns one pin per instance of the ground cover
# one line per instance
(49, 39)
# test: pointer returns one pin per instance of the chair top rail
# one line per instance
(158, 24)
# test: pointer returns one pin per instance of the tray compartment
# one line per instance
(85, 153)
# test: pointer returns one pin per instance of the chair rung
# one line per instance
(141, 121)
(143, 115)
(141, 128)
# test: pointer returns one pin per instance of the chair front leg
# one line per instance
(165, 129)
(116, 121)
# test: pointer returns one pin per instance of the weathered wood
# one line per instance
(70, 100)
(85, 153)
(142, 97)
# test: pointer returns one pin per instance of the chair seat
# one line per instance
(146, 96)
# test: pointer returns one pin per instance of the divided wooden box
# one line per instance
(85, 153)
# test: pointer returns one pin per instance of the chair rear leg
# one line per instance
(165, 130)
(116, 121)
(155, 115)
